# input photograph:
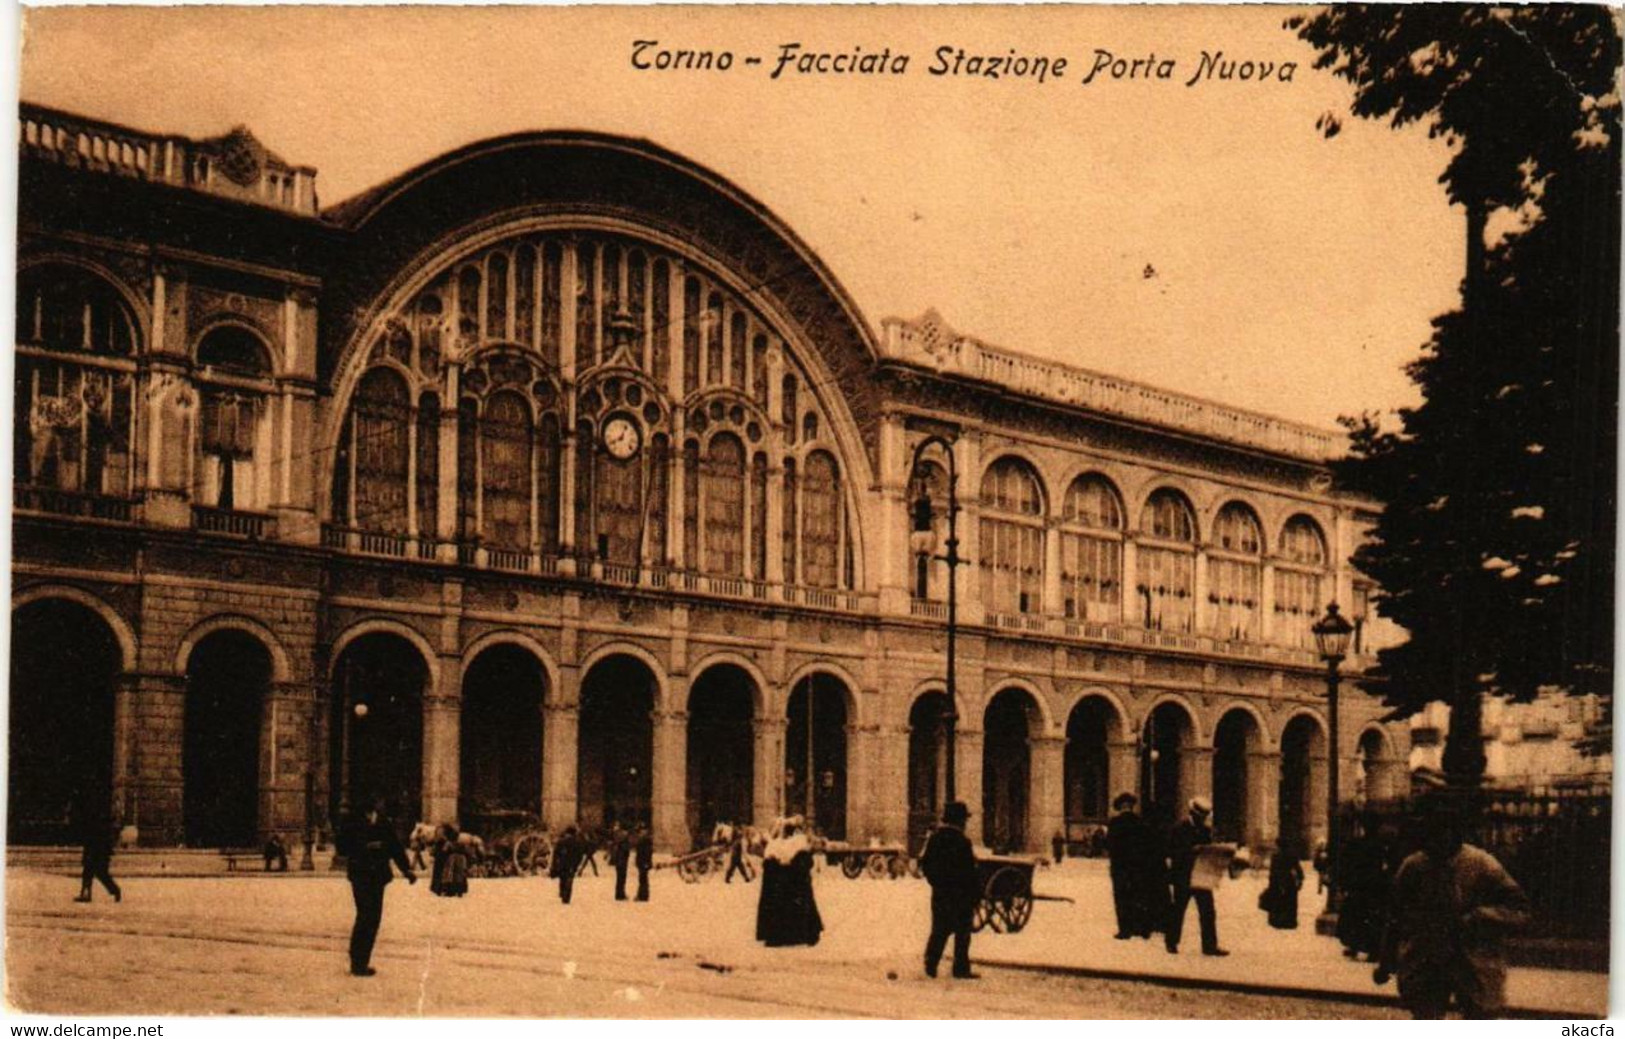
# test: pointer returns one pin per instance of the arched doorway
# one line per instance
(1378, 770)
(1168, 732)
(815, 753)
(1007, 728)
(1234, 740)
(379, 682)
(1301, 744)
(721, 758)
(227, 676)
(927, 765)
(615, 743)
(64, 665)
(501, 738)
(1090, 728)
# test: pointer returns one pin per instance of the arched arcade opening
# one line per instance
(379, 681)
(1008, 726)
(1090, 730)
(1169, 733)
(1236, 738)
(615, 743)
(927, 764)
(65, 663)
(815, 753)
(227, 677)
(500, 759)
(1303, 765)
(721, 746)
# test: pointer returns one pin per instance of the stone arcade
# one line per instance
(558, 476)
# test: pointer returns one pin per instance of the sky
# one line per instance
(1205, 238)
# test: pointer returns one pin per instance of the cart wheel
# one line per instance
(897, 866)
(876, 866)
(1009, 900)
(687, 870)
(531, 854)
(851, 867)
(979, 915)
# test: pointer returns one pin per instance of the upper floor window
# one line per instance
(929, 574)
(1011, 538)
(74, 394)
(1166, 579)
(233, 382)
(1235, 574)
(1092, 550)
(1299, 578)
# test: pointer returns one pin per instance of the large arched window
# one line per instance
(233, 469)
(928, 575)
(821, 521)
(1298, 576)
(1092, 550)
(724, 493)
(1166, 563)
(74, 400)
(1236, 574)
(379, 453)
(1011, 538)
(506, 441)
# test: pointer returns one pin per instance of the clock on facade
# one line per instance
(622, 438)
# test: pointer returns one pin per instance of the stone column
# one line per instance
(125, 693)
(862, 776)
(890, 574)
(442, 746)
(968, 766)
(1130, 605)
(1316, 809)
(560, 731)
(286, 759)
(889, 813)
(968, 460)
(1052, 604)
(670, 780)
(1195, 773)
(157, 734)
(1263, 797)
(1046, 805)
(1266, 604)
(1122, 769)
(767, 772)
(1202, 610)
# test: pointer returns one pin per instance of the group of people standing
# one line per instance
(574, 851)
(1152, 875)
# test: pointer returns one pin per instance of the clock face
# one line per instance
(621, 437)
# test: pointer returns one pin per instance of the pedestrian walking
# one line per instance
(1280, 899)
(96, 831)
(1362, 876)
(567, 856)
(1057, 847)
(643, 846)
(1453, 907)
(949, 866)
(275, 854)
(450, 877)
(369, 845)
(1184, 844)
(620, 854)
(1128, 847)
(786, 912)
(736, 857)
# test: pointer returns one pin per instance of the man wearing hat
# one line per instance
(1127, 844)
(950, 865)
(1183, 844)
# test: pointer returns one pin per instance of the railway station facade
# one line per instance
(558, 476)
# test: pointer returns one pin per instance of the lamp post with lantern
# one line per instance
(1332, 640)
(923, 540)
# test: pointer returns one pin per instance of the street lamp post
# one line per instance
(1332, 639)
(923, 540)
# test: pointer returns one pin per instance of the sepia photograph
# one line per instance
(807, 512)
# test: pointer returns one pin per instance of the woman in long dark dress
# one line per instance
(1280, 900)
(787, 913)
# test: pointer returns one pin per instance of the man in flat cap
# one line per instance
(1184, 844)
(950, 865)
(1128, 848)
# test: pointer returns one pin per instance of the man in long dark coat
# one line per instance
(1128, 847)
(950, 865)
(369, 844)
(1183, 843)
(567, 856)
(644, 848)
(620, 854)
(96, 831)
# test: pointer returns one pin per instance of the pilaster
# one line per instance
(669, 804)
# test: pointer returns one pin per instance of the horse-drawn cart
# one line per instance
(517, 845)
(878, 861)
(1007, 893)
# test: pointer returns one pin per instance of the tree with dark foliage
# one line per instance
(1495, 547)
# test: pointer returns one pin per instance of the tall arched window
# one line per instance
(380, 452)
(428, 468)
(1092, 550)
(1011, 538)
(1236, 574)
(506, 440)
(1166, 560)
(821, 522)
(758, 516)
(234, 383)
(1298, 575)
(724, 494)
(74, 415)
(791, 484)
(620, 506)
